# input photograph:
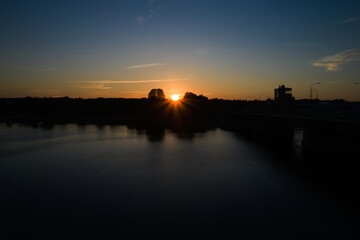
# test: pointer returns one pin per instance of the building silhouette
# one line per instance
(283, 94)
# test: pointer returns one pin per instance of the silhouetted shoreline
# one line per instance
(264, 121)
(120, 110)
(329, 122)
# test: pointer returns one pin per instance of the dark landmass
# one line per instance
(184, 112)
(324, 122)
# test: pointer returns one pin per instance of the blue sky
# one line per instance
(228, 49)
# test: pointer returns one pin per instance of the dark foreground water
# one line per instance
(112, 182)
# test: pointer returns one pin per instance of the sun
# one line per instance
(175, 97)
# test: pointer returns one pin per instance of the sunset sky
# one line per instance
(229, 49)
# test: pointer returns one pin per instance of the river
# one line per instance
(116, 182)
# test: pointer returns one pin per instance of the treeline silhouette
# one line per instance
(112, 110)
(193, 96)
(190, 109)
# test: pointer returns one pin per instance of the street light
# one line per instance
(312, 89)
(317, 94)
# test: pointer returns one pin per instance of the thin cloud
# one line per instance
(333, 63)
(136, 94)
(99, 86)
(349, 20)
(102, 82)
(140, 20)
(144, 65)
(151, 13)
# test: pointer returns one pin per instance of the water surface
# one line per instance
(82, 181)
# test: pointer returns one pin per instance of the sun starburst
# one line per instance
(175, 97)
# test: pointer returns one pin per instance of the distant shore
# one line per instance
(119, 110)
(251, 118)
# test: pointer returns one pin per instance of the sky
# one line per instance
(229, 49)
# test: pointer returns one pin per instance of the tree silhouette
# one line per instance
(190, 96)
(193, 96)
(156, 94)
